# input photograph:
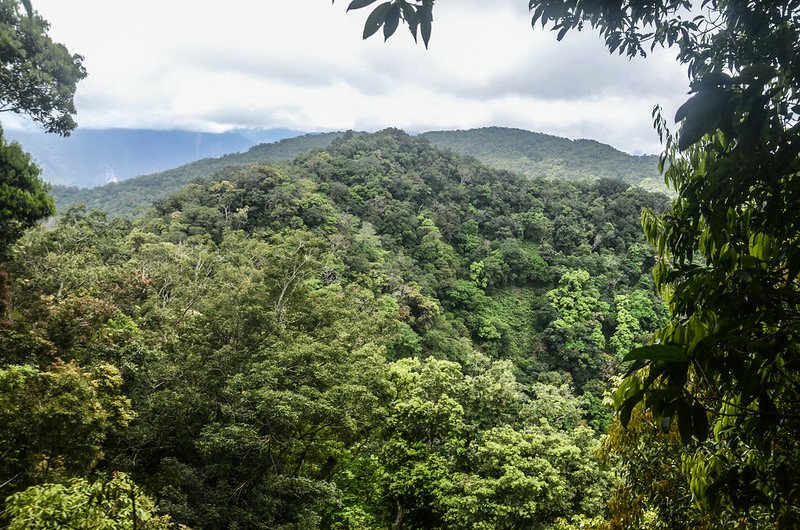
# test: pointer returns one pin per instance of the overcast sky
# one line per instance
(301, 64)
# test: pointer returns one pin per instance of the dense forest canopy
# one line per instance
(726, 364)
(133, 196)
(543, 155)
(533, 154)
(377, 334)
(381, 334)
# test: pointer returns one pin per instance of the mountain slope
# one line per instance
(369, 327)
(534, 155)
(543, 155)
(131, 196)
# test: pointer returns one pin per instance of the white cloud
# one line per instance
(301, 64)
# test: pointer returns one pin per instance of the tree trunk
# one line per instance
(398, 520)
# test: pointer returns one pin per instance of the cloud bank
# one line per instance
(301, 64)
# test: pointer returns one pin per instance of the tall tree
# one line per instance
(23, 201)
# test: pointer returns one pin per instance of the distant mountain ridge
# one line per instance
(543, 155)
(93, 157)
(529, 153)
(128, 197)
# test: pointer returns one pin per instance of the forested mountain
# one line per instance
(377, 334)
(543, 155)
(382, 334)
(92, 157)
(533, 154)
(259, 135)
(132, 196)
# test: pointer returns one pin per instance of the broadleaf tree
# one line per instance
(38, 77)
(23, 195)
(728, 252)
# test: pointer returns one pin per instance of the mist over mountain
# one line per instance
(129, 197)
(264, 136)
(93, 157)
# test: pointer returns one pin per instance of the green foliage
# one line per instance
(724, 364)
(115, 504)
(56, 421)
(267, 329)
(635, 312)
(575, 337)
(535, 155)
(727, 258)
(132, 197)
(539, 155)
(417, 14)
(38, 76)
(23, 195)
(528, 478)
(652, 492)
(463, 453)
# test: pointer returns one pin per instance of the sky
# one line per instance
(301, 64)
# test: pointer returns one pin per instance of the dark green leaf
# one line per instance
(657, 352)
(425, 18)
(409, 14)
(700, 115)
(392, 20)
(376, 19)
(626, 409)
(684, 422)
(358, 4)
(700, 420)
(411, 18)
(635, 367)
(765, 404)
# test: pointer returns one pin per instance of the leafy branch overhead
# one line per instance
(626, 28)
(416, 14)
(38, 77)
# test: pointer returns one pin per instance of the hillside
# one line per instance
(375, 331)
(533, 154)
(131, 196)
(543, 155)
